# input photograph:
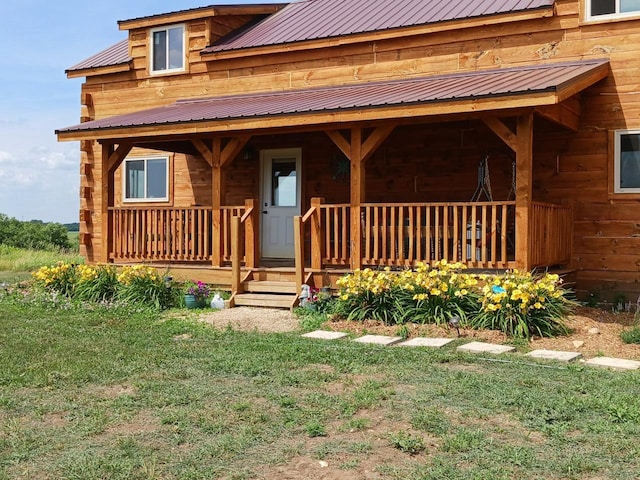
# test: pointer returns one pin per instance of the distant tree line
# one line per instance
(34, 234)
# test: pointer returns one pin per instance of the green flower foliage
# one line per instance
(105, 283)
(519, 304)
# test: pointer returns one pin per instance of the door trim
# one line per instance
(268, 155)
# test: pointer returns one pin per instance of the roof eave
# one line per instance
(104, 70)
(473, 105)
(543, 12)
(198, 13)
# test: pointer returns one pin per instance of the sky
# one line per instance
(39, 177)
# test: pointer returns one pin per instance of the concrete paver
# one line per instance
(555, 355)
(613, 363)
(481, 347)
(426, 342)
(378, 339)
(325, 335)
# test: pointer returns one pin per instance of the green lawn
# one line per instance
(90, 393)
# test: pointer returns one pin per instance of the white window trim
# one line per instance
(616, 167)
(184, 49)
(144, 200)
(610, 16)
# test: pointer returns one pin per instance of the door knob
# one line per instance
(264, 211)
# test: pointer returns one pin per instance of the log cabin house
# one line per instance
(254, 143)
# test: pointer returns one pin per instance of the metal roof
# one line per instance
(413, 91)
(206, 9)
(115, 55)
(315, 19)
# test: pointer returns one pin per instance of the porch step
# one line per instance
(272, 300)
(269, 286)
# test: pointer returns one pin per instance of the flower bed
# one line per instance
(519, 304)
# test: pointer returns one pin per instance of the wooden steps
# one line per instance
(267, 289)
(268, 300)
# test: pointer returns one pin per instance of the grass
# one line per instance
(21, 260)
(92, 393)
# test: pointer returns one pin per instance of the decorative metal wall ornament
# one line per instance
(340, 168)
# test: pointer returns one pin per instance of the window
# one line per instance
(612, 8)
(146, 179)
(627, 158)
(167, 49)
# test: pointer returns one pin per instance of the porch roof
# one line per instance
(487, 90)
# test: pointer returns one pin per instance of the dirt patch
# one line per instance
(596, 331)
(115, 391)
(348, 455)
(268, 320)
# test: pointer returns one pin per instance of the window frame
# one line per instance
(166, 29)
(145, 199)
(617, 144)
(617, 15)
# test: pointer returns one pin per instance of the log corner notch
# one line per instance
(521, 142)
(358, 150)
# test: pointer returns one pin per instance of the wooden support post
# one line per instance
(298, 245)
(236, 256)
(316, 234)
(358, 174)
(106, 200)
(250, 249)
(217, 187)
(524, 190)
(358, 152)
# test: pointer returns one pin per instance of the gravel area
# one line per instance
(252, 319)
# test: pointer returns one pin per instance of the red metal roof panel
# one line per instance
(438, 88)
(114, 55)
(315, 19)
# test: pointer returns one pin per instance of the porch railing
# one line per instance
(477, 234)
(178, 234)
(551, 234)
(143, 234)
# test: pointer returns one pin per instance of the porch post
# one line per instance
(217, 187)
(111, 159)
(524, 168)
(106, 200)
(358, 175)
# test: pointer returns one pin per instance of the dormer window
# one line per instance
(597, 9)
(167, 49)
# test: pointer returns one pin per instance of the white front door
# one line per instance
(279, 200)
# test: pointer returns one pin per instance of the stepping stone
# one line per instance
(554, 355)
(379, 340)
(481, 347)
(426, 342)
(325, 335)
(614, 363)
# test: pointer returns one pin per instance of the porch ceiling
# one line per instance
(463, 93)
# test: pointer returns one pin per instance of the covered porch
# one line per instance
(356, 223)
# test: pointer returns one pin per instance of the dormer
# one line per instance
(170, 43)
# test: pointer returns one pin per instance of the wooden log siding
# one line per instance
(168, 234)
(551, 234)
(403, 234)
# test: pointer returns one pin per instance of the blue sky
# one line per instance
(39, 177)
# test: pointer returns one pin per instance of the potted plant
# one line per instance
(196, 294)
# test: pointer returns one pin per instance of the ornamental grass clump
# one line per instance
(521, 304)
(435, 293)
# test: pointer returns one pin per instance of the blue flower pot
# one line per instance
(192, 302)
